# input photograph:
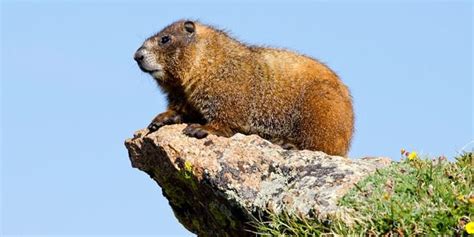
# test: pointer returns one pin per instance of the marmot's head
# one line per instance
(165, 54)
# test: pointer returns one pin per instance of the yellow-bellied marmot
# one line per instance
(222, 86)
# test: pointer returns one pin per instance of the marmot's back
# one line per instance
(230, 87)
(304, 101)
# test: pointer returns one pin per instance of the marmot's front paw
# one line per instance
(166, 118)
(196, 130)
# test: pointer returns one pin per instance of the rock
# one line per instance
(216, 185)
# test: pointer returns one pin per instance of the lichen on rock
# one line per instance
(216, 185)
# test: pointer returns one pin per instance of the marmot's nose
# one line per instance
(138, 55)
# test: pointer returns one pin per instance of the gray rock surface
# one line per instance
(215, 185)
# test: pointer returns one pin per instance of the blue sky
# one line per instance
(71, 94)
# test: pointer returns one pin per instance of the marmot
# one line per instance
(222, 86)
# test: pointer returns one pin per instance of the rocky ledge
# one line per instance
(217, 185)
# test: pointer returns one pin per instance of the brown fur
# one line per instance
(227, 87)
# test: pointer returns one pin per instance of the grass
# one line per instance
(417, 196)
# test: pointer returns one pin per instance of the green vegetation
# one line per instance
(412, 197)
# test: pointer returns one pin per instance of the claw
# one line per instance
(200, 134)
(153, 127)
(195, 130)
(166, 118)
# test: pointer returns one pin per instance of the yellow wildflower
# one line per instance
(188, 166)
(412, 155)
(471, 199)
(386, 196)
(470, 227)
(460, 197)
(188, 169)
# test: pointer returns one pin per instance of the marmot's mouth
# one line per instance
(148, 70)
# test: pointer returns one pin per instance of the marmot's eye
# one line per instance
(165, 39)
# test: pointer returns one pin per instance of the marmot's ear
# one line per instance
(189, 27)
